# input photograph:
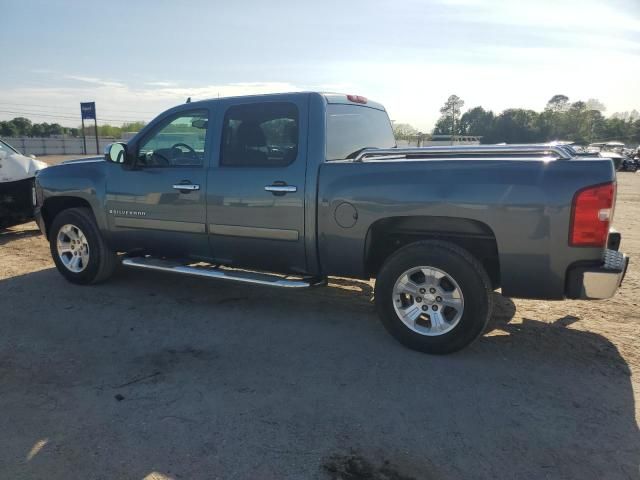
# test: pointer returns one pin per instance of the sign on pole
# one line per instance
(88, 112)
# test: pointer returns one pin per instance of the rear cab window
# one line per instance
(351, 128)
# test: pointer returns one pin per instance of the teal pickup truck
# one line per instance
(287, 189)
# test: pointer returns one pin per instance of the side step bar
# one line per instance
(256, 278)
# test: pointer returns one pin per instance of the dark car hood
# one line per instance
(84, 160)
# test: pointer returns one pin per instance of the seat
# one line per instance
(250, 139)
(291, 131)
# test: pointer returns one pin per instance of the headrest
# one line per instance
(251, 135)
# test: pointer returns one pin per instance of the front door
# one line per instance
(255, 199)
(159, 205)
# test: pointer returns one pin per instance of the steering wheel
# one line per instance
(156, 159)
(189, 148)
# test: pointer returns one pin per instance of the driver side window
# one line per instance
(178, 143)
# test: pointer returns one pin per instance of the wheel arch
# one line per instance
(52, 206)
(385, 236)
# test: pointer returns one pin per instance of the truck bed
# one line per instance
(524, 204)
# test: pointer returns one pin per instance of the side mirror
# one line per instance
(200, 123)
(116, 153)
(32, 156)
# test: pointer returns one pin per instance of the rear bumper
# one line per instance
(598, 282)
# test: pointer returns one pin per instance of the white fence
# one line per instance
(57, 146)
(73, 146)
(437, 140)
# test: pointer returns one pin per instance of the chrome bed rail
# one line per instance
(490, 150)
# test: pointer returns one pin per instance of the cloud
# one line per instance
(116, 102)
(587, 15)
(94, 80)
(160, 84)
(225, 90)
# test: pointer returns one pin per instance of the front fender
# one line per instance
(70, 185)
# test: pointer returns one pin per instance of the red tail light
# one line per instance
(357, 99)
(591, 214)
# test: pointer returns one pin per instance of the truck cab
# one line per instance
(227, 180)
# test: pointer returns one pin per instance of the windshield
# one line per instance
(5, 147)
(352, 127)
(613, 148)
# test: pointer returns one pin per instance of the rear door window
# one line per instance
(260, 135)
(350, 128)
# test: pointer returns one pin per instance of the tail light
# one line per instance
(591, 214)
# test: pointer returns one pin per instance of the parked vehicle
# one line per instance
(629, 165)
(635, 156)
(310, 185)
(16, 185)
(612, 150)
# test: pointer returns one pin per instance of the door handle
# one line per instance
(281, 189)
(186, 186)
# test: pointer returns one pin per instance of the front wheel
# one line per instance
(78, 250)
(433, 296)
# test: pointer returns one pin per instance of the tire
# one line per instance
(452, 283)
(97, 261)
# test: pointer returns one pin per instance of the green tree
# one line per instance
(477, 121)
(22, 126)
(594, 126)
(595, 104)
(56, 129)
(404, 130)
(8, 129)
(558, 103)
(574, 120)
(448, 124)
(635, 132)
(133, 126)
(38, 130)
(517, 125)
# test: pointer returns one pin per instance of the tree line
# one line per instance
(580, 122)
(23, 127)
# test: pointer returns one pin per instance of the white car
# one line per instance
(17, 172)
(612, 150)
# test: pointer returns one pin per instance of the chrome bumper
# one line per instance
(596, 283)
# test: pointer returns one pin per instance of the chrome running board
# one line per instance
(242, 276)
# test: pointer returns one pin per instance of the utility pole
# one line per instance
(84, 139)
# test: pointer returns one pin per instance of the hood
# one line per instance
(84, 160)
(611, 155)
(16, 167)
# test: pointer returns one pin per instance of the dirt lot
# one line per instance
(162, 377)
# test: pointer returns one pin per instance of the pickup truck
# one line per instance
(287, 189)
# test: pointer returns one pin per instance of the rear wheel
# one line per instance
(78, 250)
(433, 296)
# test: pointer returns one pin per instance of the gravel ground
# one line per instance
(155, 376)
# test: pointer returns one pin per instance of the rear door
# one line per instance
(255, 196)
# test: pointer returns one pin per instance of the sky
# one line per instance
(137, 58)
